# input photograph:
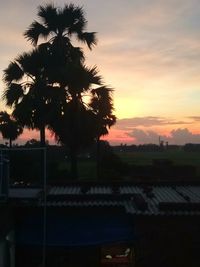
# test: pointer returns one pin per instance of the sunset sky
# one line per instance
(148, 51)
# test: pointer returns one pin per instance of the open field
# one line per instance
(146, 158)
(178, 157)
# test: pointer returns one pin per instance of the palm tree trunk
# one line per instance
(73, 143)
(42, 136)
(10, 142)
(42, 144)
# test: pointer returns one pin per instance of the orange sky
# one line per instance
(148, 51)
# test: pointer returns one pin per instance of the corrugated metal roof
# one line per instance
(65, 190)
(138, 200)
(22, 193)
(92, 203)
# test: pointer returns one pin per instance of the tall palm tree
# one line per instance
(71, 123)
(101, 104)
(57, 26)
(27, 90)
(60, 24)
(49, 86)
(9, 127)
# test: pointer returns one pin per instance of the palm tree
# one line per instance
(60, 24)
(101, 104)
(72, 121)
(27, 91)
(29, 75)
(9, 127)
(57, 26)
(51, 85)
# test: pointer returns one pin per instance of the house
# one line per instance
(102, 224)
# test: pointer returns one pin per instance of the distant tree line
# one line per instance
(192, 147)
(145, 148)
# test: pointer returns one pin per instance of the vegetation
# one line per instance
(166, 166)
(52, 87)
(27, 92)
(9, 127)
(168, 158)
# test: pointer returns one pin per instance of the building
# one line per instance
(102, 225)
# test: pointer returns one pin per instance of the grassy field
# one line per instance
(146, 158)
(86, 169)
(178, 157)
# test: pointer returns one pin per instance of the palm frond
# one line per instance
(81, 78)
(31, 62)
(92, 75)
(24, 112)
(103, 92)
(77, 55)
(49, 16)
(102, 105)
(76, 25)
(72, 19)
(9, 127)
(4, 117)
(13, 94)
(12, 73)
(34, 31)
(89, 38)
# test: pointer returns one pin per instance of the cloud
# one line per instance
(148, 51)
(177, 136)
(147, 121)
(195, 118)
(144, 137)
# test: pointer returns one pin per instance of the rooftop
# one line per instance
(148, 200)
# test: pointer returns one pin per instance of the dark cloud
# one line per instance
(144, 137)
(148, 121)
(177, 136)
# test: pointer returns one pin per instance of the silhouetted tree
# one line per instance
(27, 91)
(58, 26)
(102, 106)
(34, 143)
(66, 62)
(9, 127)
(74, 124)
(56, 89)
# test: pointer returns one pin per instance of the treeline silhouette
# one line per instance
(192, 147)
(156, 148)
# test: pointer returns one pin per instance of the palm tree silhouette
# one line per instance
(72, 121)
(27, 91)
(52, 87)
(60, 24)
(102, 106)
(57, 27)
(9, 127)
